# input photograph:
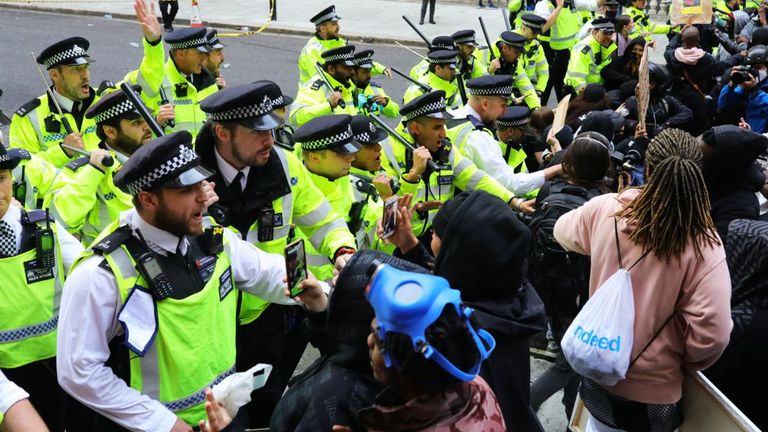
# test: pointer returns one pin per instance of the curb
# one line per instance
(352, 37)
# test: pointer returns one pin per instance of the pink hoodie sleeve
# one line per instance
(574, 229)
(706, 310)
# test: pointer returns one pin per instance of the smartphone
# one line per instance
(389, 218)
(295, 266)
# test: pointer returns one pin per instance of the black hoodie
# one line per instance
(618, 70)
(340, 382)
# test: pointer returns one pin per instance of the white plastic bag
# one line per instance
(235, 390)
(598, 343)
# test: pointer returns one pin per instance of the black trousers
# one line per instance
(558, 65)
(275, 338)
(431, 9)
(39, 380)
(169, 9)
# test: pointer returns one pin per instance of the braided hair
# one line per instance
(673, 207)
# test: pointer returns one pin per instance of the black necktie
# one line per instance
(237, 186)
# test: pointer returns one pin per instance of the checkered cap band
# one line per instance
(505, 123)
(114, 111)
(433, 107)
(465, 40)
(339, 57)
(244, 112)
(185, 157)
(192, 43)
(278, 101)
(4, 158)
(363, 60)
(324, 143)
(495, 91)
(604, 26)
(448, 60)
(321, 19)
(530, 24)
(365, 136)
(74, 52)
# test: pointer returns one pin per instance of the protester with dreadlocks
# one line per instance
(681, 285)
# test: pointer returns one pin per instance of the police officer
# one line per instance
(533, 58)
(423, 125)
(605, 8)
(437, 44)
(315, 98)
(509, 49)
(643, 25)
(440, 76)
(35, 255)
(368, 95)
(591, 55)
(509, 131)
(215, 60)
(155, 294)
(37, 125)
(473, 134)
(264, 190)
(328, 149)
(469, 65)
(326, 38)
(558, 37)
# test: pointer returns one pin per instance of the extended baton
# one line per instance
(408, 146)
(418, 32)
(423, 57)
(107, 161)
(423, 86)
(321, 72)
(141, 108)
(487, 39)
(171, 123)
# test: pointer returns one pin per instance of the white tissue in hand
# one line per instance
(235, 390)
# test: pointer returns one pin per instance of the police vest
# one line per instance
(31, 292)
(186, 100)
(193, 346)
(32, 179)
(563, 33)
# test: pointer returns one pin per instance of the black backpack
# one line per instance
(561, 278)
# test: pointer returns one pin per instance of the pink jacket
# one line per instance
(701, 327)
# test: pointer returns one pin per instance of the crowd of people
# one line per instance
(154, 267)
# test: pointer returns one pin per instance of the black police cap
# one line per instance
(443, 57)
(113, 105)
(514, 116)
(164, 162)
(363, 59)
(514, 40)
(188, 38)
(327, 14)
(341, 55)
(429, 104)
(533, 21)
(464, 37)
(10, 158)
(491, 85)
(442, 42)
(366, 132)
(331, 132)
(249, 105)
(275, 93)
(212, 37)
(70, 52)
(603, 24)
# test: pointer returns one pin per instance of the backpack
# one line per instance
(561, 278)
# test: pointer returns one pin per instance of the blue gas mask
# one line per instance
(408, 303)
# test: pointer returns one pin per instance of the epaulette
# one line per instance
(19, 153)
(476, 122)
(113, 241)
(77, 163)
(586, 49)
(32, 217)
(317, 84)
(28, 107)
(375, 84)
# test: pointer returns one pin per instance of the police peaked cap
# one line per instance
(491, 85)
(533, 21)
(363, 59)
(514, 116)
(249, 105)
(429, 104)
(341, 55)
(327, 14)
(189, 38)
(113, 105)
(212, 36)
(464, 37)
(69, 52)
(365, 132)
(331, 132)
(164, 162)
(443, 57)
(603, 24)
(10, 158)
(275, 93)
(514, 40)
(442, 42)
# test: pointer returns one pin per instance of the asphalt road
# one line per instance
(116, 47)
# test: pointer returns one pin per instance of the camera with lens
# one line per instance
(742, 74)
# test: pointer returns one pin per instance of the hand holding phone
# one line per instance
(295, 266)
(389, 218)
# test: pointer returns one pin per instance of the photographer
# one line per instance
(747, 87)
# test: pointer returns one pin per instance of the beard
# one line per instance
(170, 220)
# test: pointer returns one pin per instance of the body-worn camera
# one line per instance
(742, 74)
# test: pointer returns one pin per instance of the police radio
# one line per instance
(266, 224)
(153, 273)
(44, 245)
(20, 187)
